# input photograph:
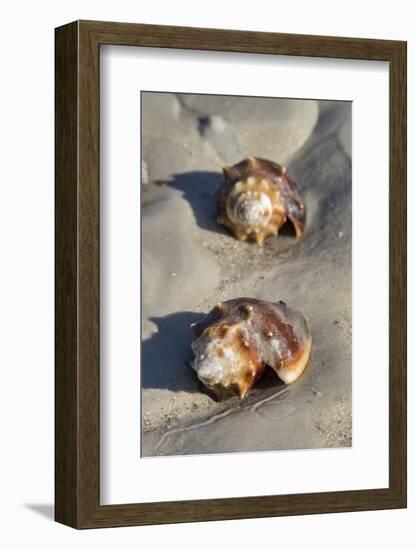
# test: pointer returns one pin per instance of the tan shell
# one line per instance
(256, 199)
(238, 338)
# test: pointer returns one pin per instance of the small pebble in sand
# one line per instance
(214, 122)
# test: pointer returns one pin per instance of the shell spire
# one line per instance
(256, 198)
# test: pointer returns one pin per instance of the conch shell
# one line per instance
(256, 199)
(238, 338)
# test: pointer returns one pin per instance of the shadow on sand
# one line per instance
(198, 188)
(167, 353)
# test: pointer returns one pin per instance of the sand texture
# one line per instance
(190, 263)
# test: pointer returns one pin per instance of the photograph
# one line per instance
(246, 274)
(209, 257)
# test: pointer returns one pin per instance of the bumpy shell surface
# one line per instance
(256, 198)
(238, 338)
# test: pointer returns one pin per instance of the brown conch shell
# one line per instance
(238, 338)
(256, 199)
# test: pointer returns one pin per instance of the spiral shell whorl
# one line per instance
(249, 206)
(256, 198)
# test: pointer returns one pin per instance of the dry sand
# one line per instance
(189, 263)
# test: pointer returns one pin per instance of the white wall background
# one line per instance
(26, 272)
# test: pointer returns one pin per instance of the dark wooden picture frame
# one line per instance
(77, 372)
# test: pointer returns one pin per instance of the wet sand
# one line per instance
(189, 263)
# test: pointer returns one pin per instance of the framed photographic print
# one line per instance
(230, 274)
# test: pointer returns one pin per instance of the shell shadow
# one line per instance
(165, 356)
(198, 188)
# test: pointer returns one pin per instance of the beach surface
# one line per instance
(190, 263)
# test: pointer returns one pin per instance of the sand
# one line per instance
(189, 263)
